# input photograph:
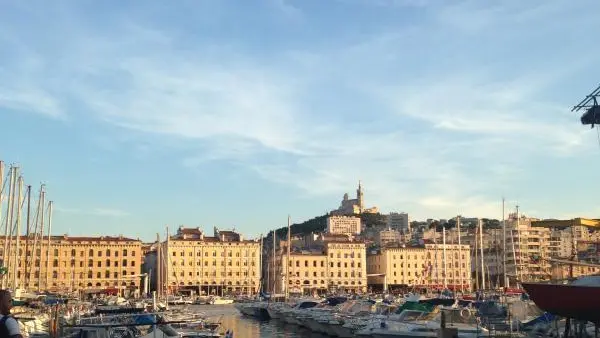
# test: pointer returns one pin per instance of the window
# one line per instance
(90, 263)
(107, 253)
(107, 264)
(73, 253)
(124, 262)
(91, 254)
(55, 252)
(124, 252)
(55, 263)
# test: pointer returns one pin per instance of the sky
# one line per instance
(237, 113)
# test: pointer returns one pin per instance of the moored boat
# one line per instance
(578, 300)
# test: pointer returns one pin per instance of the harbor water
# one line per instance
(244, 327)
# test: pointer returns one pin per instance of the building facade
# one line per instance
(398, 221)
(222, 263)
(387, 237)
(527, 249)
(337, 265)
(343, 225)
(427, 266)
(68, 263)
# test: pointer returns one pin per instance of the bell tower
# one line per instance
(360, 197)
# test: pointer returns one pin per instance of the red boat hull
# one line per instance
(571, 301)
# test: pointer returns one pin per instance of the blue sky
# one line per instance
(236, 113)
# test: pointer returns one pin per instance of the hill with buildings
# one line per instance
(319, 224)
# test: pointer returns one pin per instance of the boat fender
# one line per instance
(382, 325)
(465, 313)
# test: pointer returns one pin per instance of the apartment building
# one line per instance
(224, 262)
(387, 237)
(427, 266)
(561, 272)
(343, 225)
(67, 263)
(398, 221)
(337, 265)
(527, 249)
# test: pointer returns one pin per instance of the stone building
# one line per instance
(343, 225)
(75, 264)
(337, 265)
(420, 266)
(224, 262)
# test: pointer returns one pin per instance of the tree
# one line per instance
(373, 220)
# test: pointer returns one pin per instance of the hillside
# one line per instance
(319, 224)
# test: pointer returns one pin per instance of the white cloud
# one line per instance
(30, 100)
(455, 129)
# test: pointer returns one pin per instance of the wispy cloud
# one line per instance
(436, 116)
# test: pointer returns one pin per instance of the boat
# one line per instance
(220, 301)
(578, 300)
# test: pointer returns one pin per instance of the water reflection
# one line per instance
(244, 327)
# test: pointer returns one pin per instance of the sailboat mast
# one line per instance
(481, 250)
(41, 202)
(460, 253)
(158, 267)
(287, 265)
(18, 234)
(166, 257)
(274, 265)
(519, 270)
(444, 256)
(476, 254)
(8, 225)
(49, 245)
(28, 226)
(506, 283)
(260, 262)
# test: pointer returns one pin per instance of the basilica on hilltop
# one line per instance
(354, 206)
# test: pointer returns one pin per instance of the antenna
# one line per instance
(592, 109)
